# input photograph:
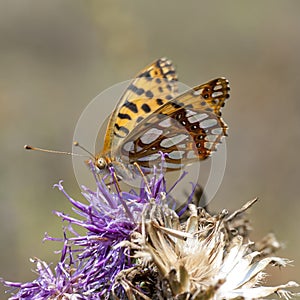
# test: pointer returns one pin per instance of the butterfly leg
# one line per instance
(115, 180)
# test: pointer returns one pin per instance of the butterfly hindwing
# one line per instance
(187, 128)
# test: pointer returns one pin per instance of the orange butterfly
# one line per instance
(151, 118)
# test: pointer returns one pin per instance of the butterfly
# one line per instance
(151, 118)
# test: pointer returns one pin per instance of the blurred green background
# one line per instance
(55, 56)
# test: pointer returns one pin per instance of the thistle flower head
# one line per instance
(137, 247)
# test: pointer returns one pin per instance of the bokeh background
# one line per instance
(55, 56)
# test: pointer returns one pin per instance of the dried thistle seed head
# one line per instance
(200, 259)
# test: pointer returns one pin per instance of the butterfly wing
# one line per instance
(151, 88)
(188, 128)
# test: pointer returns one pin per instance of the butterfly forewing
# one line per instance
(187, 128)
(152, 87)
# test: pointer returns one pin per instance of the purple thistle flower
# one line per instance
(90, 263)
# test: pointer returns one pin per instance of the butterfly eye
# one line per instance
(101, 163)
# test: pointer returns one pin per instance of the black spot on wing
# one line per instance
(159, 101)
(122, 128)
(117, 135)
(146, 108)
(171, 72)
(175, 105)
(124, 116)
(149, 94)
(169, 87)
(136, 90)
(146, 75)
(139, 119)
(131, 106)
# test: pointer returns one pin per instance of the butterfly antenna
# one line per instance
(27, 147)
(76, 144)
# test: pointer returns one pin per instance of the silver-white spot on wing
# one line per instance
(129, 146)
(176, 154)
(151, 135)
(217, 130)
(198, 92)
(211, 138)
(217, 87)
(189, 113)
(217, 94)
(197, 118)
(191, 154)
(151, 157)
(165, 123)
(169, 142)
(208, 123)
(208, 145)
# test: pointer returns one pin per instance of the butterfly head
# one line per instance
(100, 163)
